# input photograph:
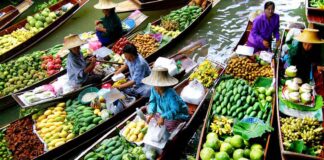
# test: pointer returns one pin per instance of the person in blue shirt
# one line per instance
(109, 28)
(165, 104)
(79, 72)
(138, 69)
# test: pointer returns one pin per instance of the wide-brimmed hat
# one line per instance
(309, 36)
(72, 41)
(160, 77)
(105, 4)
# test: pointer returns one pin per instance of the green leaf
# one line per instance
(297, 146)
(251, 130)
(262, 82)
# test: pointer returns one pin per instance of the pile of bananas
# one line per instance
(165, 32)
(221, 125)
(120, 82)
(206, 73)
(9, 41)
(308, 129)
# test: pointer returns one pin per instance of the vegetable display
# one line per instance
(317, 3)
(145, 44)
(165, 32)
(5, 153)
(242, 67)
(51, 64)
(40, 20)
(206, 73)
(119, 45)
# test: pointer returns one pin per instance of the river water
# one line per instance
(222, 28)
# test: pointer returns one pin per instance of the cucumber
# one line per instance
(214, 107)
(68, 103)
(118, 150)
(117, 157)
(109, 150)
(91, 126)
(112, 143)
(264, 116)
(231, 99)
(224, 110)
(87, 114)
(105, 142)
(240, 115)
(256, 106)
(234, 108)
(216, 96)
(96, 120)
(80, 107)
(218, 110)
(89, 155)
(246, 106)
(237, 97)
(118, 144)
(243, 99)
(249, 110)
(225, 101)
(238, 103)
(228, 107)
(260, 114)
(253, 114)
(248, 99)
(234, 114)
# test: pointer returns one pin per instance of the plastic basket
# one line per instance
(85, 91)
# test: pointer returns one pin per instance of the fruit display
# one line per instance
(119, 45)
(119, 82)
(22, 141)
(308, 131)
(5, 153)
(295, 93)
(52, 126)
(200, 3)
(183, 16)
(221, 125)
(116, 148)
(82, 117)
(236, 98)
(40, 20)
(169, 24)
(317, 4)
(165, 32)
(291, 71)
(51, 64)
(233, 147)
(243, 67)
(206, 73)
(44, 5)
(145, 44)
(135, 130)
(9, 41)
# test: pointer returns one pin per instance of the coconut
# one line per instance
(291, 71)
(306, 97)
(294, 96)
(293, 87)
(305, 88)
(298, 80)
(288, 82)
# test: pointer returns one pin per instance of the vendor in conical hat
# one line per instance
(165, 104)
(108, 28)
(79, 72)
(305, 53)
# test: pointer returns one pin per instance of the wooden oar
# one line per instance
(193, 46)
(103, 61)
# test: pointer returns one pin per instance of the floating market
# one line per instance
(161, 79)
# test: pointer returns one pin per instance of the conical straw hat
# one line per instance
(72, 41)
(105, 4)
(309, 36)
(160, 77)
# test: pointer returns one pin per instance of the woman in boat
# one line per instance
(305, 53)
(264, 26)
(108, 28)
(79, 72)
(165, 104)
(138, 68)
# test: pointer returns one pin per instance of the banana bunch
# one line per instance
(206, 73)
(163, 31)
(9, 41)
(118, 83)
(221, 125)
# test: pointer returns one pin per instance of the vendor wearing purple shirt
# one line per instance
(263, 27)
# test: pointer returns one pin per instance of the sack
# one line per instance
(193, 93)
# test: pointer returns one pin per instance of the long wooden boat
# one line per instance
(7, 101)
(314, 15)
(11, 12)
(205, 128)
(158, 4)
(285, 154)
(19, 49)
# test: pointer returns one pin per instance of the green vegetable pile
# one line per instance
(184, 16)
(116, 148)
(317, 3)
(45, 5)
(236, 98)
(5, 153)
(82, 117)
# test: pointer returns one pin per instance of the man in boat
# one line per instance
(79, 72)
(138, 68)
(264, 26)
(108, 28)
(165, 104)
(305, 53)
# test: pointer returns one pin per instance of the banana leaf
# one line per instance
(262, 82)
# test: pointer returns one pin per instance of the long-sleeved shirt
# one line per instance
(170, 106)
(75, 68)
(262, 30)
(113, 25)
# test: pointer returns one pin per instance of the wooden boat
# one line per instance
(158, 4)
(285, 154)
(19, 49)
(7, 101)
(208, 116)
(11, 12)
(314, 15)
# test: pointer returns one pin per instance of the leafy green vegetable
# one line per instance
(251, 130)
(317, 3)
(45, 5)
(300, 147)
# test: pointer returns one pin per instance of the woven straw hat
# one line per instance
(105, 4)
(72, 41)
(160, 77)
(309, 36)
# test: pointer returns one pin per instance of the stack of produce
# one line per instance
(44, 5)
(307, 132)
(9, 41)
(233, 147)
(184, 16)
(22, 141)
(52, 126)
(298, 94)
(206, 73)
(119, 82)
(169, 25)
(119, 45)
(4, 150)
(145, 44)
(116, 148)
(135, 131)
(317, 4)
(50, 64)
(82, 117)
(40, 20)
(237, 99)
(165, 32)
(200, 3)
(242, 67)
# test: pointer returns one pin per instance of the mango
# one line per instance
(50, 147)
(70, 136)
(59, 119)
(58, 108)
(133, 138)
(41, 118)
(66, 128)
(48, 125)
(59, 143)
(58, 129)
(45, 130)
(63, 134)
(62, 105)
(48, 112)
(96, 111)
(52, 127)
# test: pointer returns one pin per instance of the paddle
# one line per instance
(193, 46)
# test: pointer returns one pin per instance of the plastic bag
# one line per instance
(170, 64)
(292, 33)
(155, 132)
(193, 93)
